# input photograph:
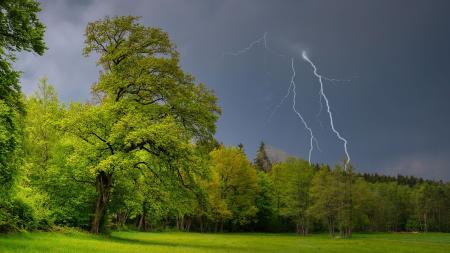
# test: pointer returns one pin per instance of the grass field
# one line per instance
(195, 242)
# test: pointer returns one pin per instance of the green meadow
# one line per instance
(195, 242)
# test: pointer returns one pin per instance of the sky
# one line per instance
(394, 111)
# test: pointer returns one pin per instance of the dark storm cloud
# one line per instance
(395, 113)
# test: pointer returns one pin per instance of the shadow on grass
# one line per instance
(22, 242)
(171, 244)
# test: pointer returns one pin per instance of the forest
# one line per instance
(141, 153)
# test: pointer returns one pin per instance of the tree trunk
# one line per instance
(188, 224)
(143, 224)
(183, 223)
(201, 223)
(121, 218)
(103, 183)
(330, 226)
(139, 222)
(425, 222)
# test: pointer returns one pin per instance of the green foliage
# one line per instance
(142, 72)
(265, 217)
(325, 194)
(16, 215)
(20, 30)
(366, 204)
(9, 141)
(332, 200)
(51, 184)
(41, 135)
(292, 180)
(147, 115)
(233, 187)
(174, 183)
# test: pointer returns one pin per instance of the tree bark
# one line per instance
(200, 219)
(103, 183)
(188, 224)
(143, 224)
(425, 222)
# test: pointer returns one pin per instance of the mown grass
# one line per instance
(195, 242)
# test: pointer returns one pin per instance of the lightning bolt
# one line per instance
(337, 80)
(327, 104)
(263, 40)
(275, 109)
(260, 40)
(292, 87)
(332, 80)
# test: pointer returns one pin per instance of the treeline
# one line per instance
(227, 192)
(141, 153)
(400, 179)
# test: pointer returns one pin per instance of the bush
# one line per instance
(16, 215)
(413, 225)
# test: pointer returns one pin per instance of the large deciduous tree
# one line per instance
(233, 187)
(325, 195)
(147, 113)
(332, 199)
(292, 180)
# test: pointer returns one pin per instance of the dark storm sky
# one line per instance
(395, 112)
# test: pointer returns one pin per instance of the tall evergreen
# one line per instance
(262, 161)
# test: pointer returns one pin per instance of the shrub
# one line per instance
(16, 215)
